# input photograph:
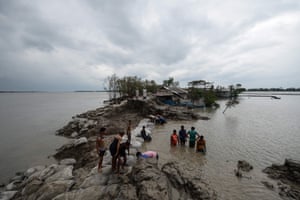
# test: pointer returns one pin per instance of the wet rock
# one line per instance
(290, 170)
(171, 182)
(74, 134)
(150, 182)
(74, 126)
(11, 186)
(238, 173)
(47, 183)
(7, 195)
(244, 166)
(49, 171)
(268, 185)
(188, 184)
(32, 187)
(80, 141)
(288, 176)
(18, 178)
(32, 170)
(51, 190)
(67, 161)
(72, 144)
(94, 180)
(62, 173)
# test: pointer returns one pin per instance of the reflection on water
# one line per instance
(259, 130)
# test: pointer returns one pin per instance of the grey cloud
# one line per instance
(39, 44)
(113, 18)
(119, 24)
(202, 37)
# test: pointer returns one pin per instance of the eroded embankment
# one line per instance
(75, 175)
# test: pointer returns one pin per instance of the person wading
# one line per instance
(174, 138)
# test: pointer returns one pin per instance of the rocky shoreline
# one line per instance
(288, 178)
(75, 175)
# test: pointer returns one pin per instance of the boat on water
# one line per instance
(275, 97)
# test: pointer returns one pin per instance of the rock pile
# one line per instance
(244, 166)
(142, 180)
(288, 176)
(115, 116)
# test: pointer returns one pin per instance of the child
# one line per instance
(201, 144)
(174, 138)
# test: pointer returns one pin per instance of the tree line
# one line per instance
(291, 89)
(129, 86)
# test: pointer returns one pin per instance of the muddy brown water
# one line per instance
(259, 130)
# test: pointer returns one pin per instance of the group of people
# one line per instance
(119, 149)
(193, 137)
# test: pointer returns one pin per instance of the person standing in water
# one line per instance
(145, 136)
(182, 135)
(174, 138)
(192, 137)
(201, 144)
(100, 147)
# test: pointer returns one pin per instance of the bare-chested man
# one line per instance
(100, 146)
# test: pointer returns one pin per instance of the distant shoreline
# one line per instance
(52, 91)
(271, 92)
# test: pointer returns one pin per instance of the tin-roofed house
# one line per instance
(176, 96)
(171, 95)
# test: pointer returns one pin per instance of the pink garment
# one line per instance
(150, 154)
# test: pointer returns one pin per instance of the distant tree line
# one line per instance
(128, 86)
(275, 89)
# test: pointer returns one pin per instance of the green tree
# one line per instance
(198, 84)
(209, 98)
(170, 82)
(127, 86)
(234, 92)
(111, 85)
(150, 86)
(194, 94)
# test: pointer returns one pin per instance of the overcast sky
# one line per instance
(76, 44)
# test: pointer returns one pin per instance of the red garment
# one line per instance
(174, 139)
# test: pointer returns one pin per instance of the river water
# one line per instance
(259, 130)
(28, 124)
